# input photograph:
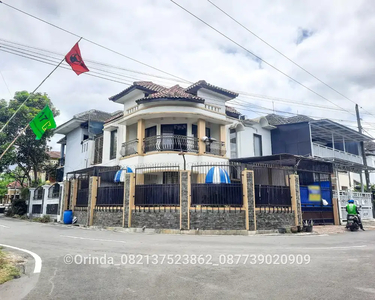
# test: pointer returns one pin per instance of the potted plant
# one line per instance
(308, 225)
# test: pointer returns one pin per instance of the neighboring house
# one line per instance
(42, 176)
(82, 145)
(13, 192)
(158, 123)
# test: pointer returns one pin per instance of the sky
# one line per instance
(333, 40)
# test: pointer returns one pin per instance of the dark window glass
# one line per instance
(258, 145)
(113, 147)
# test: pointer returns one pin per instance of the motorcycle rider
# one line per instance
(352, 209)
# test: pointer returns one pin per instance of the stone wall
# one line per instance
(158, 219)
(81, 214)
(270, 220)
(108, 217)
(217, 219)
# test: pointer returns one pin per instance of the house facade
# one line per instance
(159, 124)
(82, 144)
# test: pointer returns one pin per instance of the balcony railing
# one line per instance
(216, 148)
(327, 152)
(170, 143)
(129, 148)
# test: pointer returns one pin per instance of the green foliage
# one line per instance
(44, 219)
(5, 179)
(8, 270)
(28, 153)
(19, 207)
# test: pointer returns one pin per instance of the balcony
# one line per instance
(326, 152)
(170, 143)
(216, 148)
(129, 148)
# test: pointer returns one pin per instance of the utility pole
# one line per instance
(362, 148)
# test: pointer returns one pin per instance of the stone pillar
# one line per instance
(131, 198)
(73, 193)
(45, 197)
(296, 199)
(31, 199)
(140, 135)
(248, 190)
(93, 192)
(201, 132)
(185, 199)
(126, 216)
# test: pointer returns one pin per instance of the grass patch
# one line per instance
(8, 270)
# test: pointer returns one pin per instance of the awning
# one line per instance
(120, 174)
(217, 175)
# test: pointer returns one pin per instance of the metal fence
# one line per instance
(54, 191)
(110, 196)
(83, 191)
(129, 147)
(38, 193)
(266, 195)
(157, 185)
(107, 176)
(223, 189)
(170, 142)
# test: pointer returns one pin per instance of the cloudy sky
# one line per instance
(334, 40)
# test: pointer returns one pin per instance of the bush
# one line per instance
(45, 219)
(37, 219)
(24, 217)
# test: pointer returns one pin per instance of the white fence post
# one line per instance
(45, 197)
(31, 199)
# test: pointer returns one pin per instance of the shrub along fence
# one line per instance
(210, 196)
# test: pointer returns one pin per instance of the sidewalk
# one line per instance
(332, 229)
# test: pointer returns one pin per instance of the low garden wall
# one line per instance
(81, 213)
(267, 220)
(158, 218)
(108, 216)
(214, 219)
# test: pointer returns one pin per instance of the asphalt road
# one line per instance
(337, 266)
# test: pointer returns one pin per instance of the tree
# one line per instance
(28, 153)
(5, 179)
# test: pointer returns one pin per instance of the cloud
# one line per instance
(336, 43)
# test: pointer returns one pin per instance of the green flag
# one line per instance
(42, 121)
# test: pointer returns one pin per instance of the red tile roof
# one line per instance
(175, 92)
(15, 185)
(54, 154)
(147, 86)
(203, 84)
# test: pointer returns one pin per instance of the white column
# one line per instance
(61, 203)
(32, 191)
(45, 197)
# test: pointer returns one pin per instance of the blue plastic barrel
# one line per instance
(68, 217)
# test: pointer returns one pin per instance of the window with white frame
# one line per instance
(258, 151)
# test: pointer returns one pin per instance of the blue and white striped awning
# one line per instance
(120, 174)
(217, 175)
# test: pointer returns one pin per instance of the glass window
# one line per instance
(258, 145)
(113, 146)
(233, 143)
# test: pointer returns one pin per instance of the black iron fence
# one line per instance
(157, 185)
(129, 148)
(110, 196)
(157, 195)
(170, 143)
(221, 194)
(216, 185)
(82, 197)
(107, 176)
(98, 150)
(266, 195)
(36, 209)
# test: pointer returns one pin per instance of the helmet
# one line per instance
(351, 201)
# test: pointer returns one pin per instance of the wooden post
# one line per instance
(73, 194)
(296, 199)
(92, 200)
(336, 217)
(131, 199)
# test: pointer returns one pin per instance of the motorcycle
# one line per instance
(352, 222)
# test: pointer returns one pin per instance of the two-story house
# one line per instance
(158, 124)
(82, 144)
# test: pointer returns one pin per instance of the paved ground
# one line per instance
(338, 266)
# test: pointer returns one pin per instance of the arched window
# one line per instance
(38, 193)
(54, 191)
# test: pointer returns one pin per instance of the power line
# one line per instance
(289, 59)
(103, 74)
(256, 56)
(6, 84)
(92, 42)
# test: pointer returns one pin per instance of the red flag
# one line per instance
(74, 59)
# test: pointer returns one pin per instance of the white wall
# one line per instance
(245, 141)
(213, 98)
(78, 156)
